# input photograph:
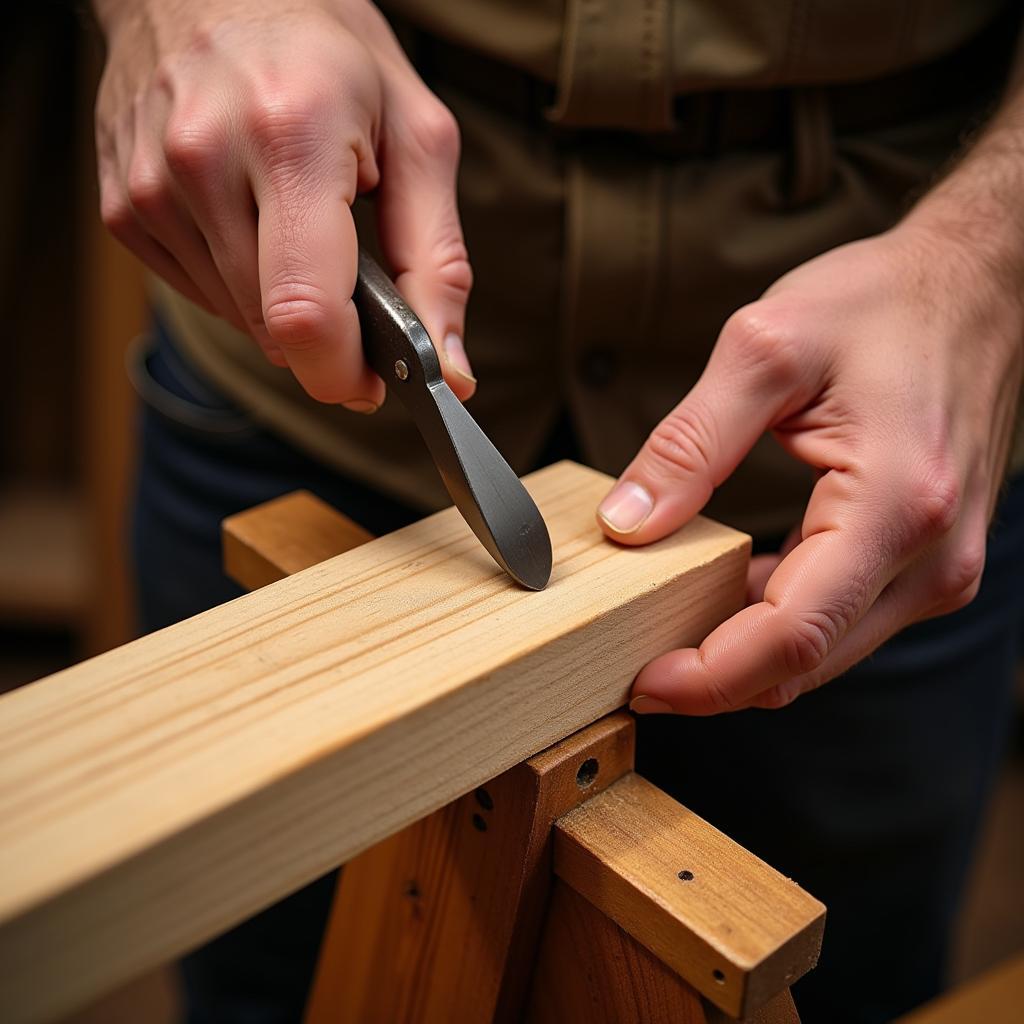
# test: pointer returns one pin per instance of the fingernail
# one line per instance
(361, 405)
(455, 355)
(626, 507)
(644, 705)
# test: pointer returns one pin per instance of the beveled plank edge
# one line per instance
(110, 927)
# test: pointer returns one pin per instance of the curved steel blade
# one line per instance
(491, 498)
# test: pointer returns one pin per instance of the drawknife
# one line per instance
(489, 495)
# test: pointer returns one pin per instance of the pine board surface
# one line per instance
(156, 795)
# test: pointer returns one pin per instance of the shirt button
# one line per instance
(599, 367)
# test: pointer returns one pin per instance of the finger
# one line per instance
(810, 603)
(945, 580)
(165, 219)
(419, 227)
(762, 566)
(211, 185)
(858, 535)
(755, 378)
(308, 257)
(114, 151)
(159, 208)
(119, 218)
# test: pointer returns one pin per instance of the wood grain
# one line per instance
(284, 536)
(733, 927)
(590, 971)
(441, 922)
(156, 795)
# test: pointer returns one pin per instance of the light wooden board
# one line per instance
(734, 928)
(996, 997)
(160, 793)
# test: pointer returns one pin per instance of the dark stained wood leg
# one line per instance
(441, 922)
(590, 971)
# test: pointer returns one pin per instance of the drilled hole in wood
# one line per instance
(718, 976)
(587, 773)
(484, 799)
(686, 876)
(479, 824)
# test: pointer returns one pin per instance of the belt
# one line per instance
(733, 120)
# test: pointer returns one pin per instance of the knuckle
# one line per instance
(454, 272)
(681, 444)
(765, 343)
(718, 697)
(192, 147)
(297, 321)
(779, 696)
(147, 189)
(932, 504)
(285, 127)
(435, 131)
(116, 214)
(807, 642)
(959, 577)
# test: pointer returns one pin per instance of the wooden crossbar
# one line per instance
(156, 795)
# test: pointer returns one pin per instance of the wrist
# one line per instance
(981, 266)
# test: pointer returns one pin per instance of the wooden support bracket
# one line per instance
(732, 926)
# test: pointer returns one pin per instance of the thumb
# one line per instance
(702, 440)
(421, 235)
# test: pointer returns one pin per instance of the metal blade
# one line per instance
(489, 495)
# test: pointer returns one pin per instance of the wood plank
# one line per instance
(441, 922)
(284, 536)
(590, 971)
(158, 794)
(732, 926)
(996, 997)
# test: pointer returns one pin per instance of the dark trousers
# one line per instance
(868, 792)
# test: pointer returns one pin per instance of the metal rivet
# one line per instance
(401, 370)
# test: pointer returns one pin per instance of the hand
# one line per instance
(891, 366)
(232, 139)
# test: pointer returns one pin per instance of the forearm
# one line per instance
(976, 208)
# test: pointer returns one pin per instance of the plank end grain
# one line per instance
(283, 536)
(158, 794)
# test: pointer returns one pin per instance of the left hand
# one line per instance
(892, 367)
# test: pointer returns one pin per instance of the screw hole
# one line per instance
(686, 876)
(484, 799)
(718, 976)
(479, 824)
(587, 773)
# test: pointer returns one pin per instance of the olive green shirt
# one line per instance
(631, 174)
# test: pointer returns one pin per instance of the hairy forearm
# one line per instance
(976, 208)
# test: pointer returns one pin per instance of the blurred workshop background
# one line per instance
(72, 300)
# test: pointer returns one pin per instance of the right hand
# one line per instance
(232, 139)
